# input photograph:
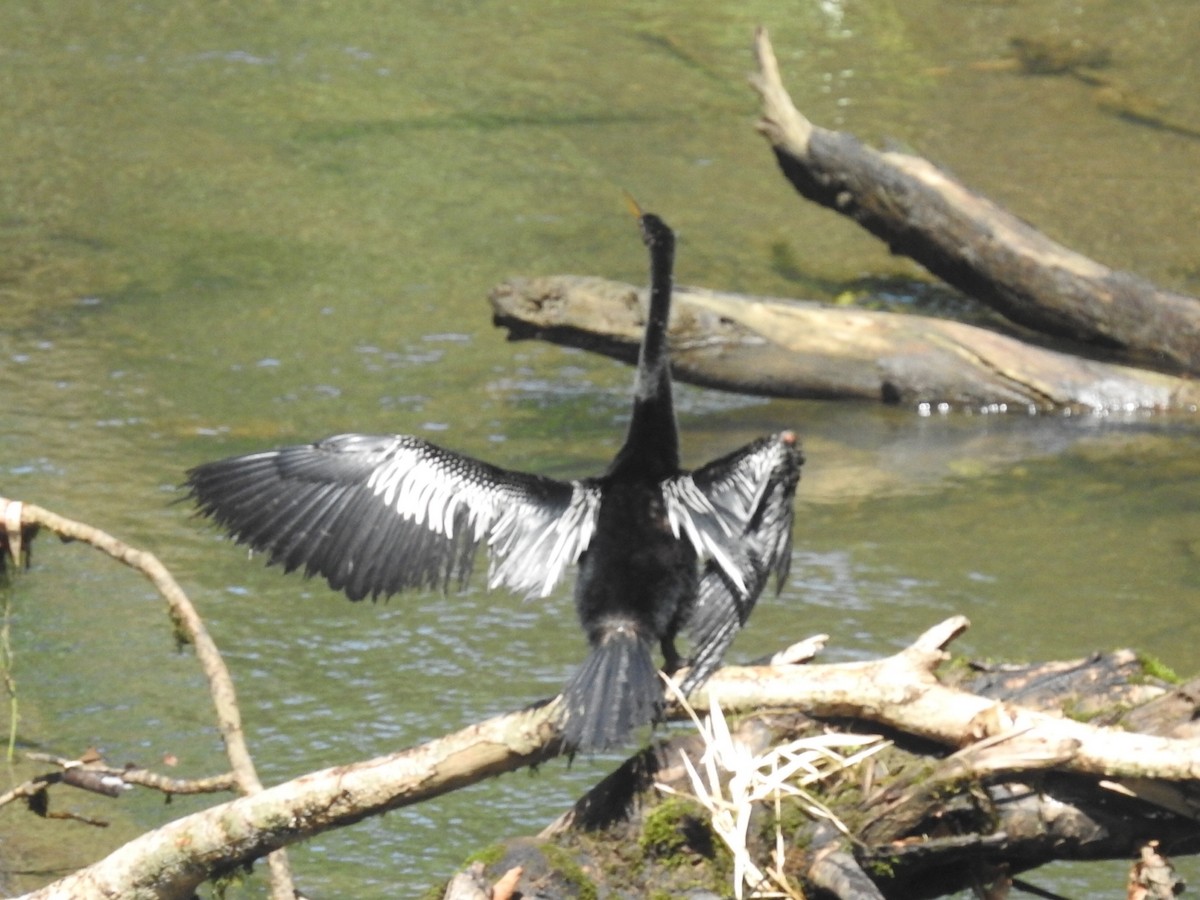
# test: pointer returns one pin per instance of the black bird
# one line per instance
(660, 550)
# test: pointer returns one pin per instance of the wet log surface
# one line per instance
(790, 348)
(927, 816)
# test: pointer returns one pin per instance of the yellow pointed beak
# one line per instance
(633, 205)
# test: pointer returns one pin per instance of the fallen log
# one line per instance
(788, 348)
(971, 243)
(968, 790)
(957, 758)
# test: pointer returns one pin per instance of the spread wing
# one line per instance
(753, 492)
(378, 514)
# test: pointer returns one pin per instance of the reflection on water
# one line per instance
(230, 227)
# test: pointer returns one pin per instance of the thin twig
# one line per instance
(184, 615)
(213, 784)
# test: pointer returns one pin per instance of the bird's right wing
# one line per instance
(753, 489)
(378, 514)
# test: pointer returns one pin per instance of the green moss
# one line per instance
(435, 892)
(1156, 668)
(793, 820)
(665, 829)
(489, 856)
(881, 868)
(1108, 715)
(234, 877)
(670, 851)
(678, 841)
(567, 868)
(957, 670)
(179, 632)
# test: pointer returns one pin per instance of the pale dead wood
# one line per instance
(506, 886)
(917, 822)
(792, 348)
(174, 859)
(1153, 877)
(470, 884)
(900, 691)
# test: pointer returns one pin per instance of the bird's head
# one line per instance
(655, 232)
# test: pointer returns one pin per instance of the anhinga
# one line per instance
(660, 550)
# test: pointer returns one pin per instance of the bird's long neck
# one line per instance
(651, 446)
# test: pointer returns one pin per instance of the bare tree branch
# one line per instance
(173, 860)
(132, 775)
(900, 692)
(975, 245)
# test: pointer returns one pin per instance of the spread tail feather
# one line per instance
(616, 690)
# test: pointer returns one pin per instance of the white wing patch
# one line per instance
(530, 547)
(430, 490)
(691, 514)
(530, 542)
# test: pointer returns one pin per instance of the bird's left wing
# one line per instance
(747, 517)
(379, 514)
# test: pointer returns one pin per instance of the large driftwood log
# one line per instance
(973, 244)
(918, 820)
(790, 348)
(900, 693)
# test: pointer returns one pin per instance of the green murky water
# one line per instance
(223, 228)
